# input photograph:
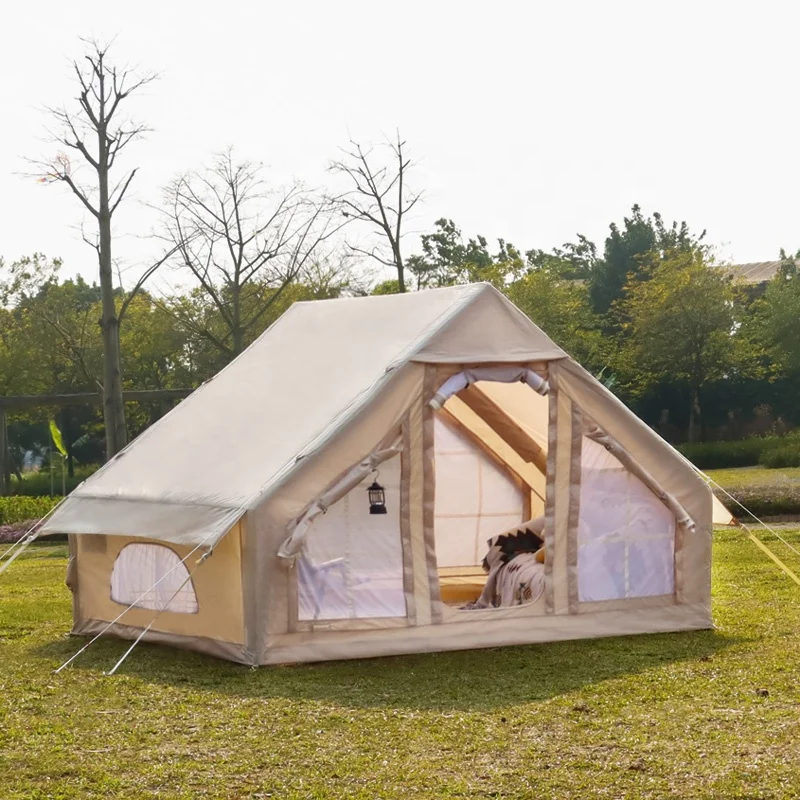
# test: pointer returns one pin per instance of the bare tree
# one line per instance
(379, 197)
(243, 243)
(97, 132)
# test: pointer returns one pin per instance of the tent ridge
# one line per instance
(439, 324)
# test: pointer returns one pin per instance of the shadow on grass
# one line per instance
(470, 680)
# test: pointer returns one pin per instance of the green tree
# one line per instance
(626, 250)
(447, 260)
(680, 327)
(56, 348)
(776, 315)
(560, 307)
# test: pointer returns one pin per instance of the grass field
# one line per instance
(764, 491)
(755, 477)
(710, 714)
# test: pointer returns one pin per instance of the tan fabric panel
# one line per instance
(318, 646)
(252, 594)
(550, 495)
(419, 559)
(71, 578)
(167, 520)
(628, 604)
(405, 524)
(563, 484)
(360, 624)
(525, 407)
(505, 427)
(217, 585)
(721, 514)
(481, 432)
(573, 514)
(429, 492)
(490, 329)
(668, 468)
(210, 647)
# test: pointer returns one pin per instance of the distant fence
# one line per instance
(16, 403)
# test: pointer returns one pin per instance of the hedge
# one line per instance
(724, 455)
(784, 454)
(763, 501)
(766, 451)
(21, 508)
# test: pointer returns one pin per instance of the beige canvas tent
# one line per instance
(470, 420)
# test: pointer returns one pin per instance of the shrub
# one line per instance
(787, 455)
(724, 455)
(22, 508)
(784, 453)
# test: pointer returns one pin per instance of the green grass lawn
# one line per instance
(755, 477)
(660, 716)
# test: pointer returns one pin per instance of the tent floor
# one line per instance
(461, 585)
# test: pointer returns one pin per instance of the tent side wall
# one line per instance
(214, 622)
(670, 471)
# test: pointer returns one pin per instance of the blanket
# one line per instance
(515, 567)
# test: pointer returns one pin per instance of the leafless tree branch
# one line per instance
(243, 241)
(378, 198)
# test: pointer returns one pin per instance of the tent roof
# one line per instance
(222, 450)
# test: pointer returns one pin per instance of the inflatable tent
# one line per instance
(332, 494)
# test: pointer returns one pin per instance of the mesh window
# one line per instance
(352, 561)
(139, 566)
(626, 535)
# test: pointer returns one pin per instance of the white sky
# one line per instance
(531, 120)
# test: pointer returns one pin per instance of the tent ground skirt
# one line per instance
(518, 630)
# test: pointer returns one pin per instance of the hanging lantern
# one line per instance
(377, 498)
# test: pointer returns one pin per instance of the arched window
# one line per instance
(139, 567)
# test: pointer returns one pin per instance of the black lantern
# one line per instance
(377, 499)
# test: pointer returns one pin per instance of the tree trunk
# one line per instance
(113, 406)
(398, 261)
(695, 415)
(237, 335)
(5, 478)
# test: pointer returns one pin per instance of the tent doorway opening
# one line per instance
(490, 462)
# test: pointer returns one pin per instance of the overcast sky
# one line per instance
(531, 121)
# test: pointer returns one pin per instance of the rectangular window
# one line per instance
(626, 535)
